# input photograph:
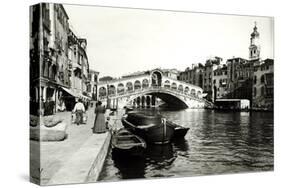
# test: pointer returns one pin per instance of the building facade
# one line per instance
(171, 73)
(193, 75)
(75, 73)
(240, 72)
(80, 86)
(55, 54)
(263, 85)
(210, 66)
(49, 52)
(94, 80)
(220, 82)
(36, 36)
(238, 78)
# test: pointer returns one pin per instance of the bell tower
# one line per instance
(254, 49)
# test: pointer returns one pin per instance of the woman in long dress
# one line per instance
(99, 125)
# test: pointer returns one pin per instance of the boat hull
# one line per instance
(179, 131)
(132, 152)
(124, 143)
(155, 134)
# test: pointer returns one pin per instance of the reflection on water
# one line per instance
(129, 167)
(216, 143)
(181, 146)
(159, 159)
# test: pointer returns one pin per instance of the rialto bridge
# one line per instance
(150, 89)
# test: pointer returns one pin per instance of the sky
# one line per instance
(123, 40)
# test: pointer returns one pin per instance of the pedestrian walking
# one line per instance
(99, 124)
(79, 109)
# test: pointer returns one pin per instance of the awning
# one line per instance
(78, 95)
(70, 92)
(85, 97)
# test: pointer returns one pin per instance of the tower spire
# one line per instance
(254, 49)
(255, 28)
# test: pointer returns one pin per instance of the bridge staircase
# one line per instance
(208, 104)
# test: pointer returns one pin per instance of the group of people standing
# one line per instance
(99, 123)
(48, 107)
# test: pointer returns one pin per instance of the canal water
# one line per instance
(217, 143)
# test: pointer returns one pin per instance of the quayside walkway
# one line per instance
(71, 160)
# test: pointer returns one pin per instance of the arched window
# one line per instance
(262, 79)
(129, 86)
(255, 79)
(186, 90)
(120, 88)
(137, 84)
(167, 84)
(262, 91)
(193, 92)
(111, 90)
(45, 69)
(255, 91)
(180, 88)
(174, 85)
(53, 72)
(145, 83)
(156, 78)
(102, 92)
(198, 93)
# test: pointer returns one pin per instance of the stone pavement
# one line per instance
(55, 155)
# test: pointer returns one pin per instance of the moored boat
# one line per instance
(127, 144)
(153, 128)
(179, 131)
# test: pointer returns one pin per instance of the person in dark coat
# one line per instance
(99, 125)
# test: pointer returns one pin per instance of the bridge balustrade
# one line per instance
(127, 92)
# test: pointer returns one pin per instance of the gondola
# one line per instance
(152, 128)
(125, 143)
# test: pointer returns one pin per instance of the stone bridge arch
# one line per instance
(170, 98)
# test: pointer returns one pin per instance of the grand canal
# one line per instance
(217, 143)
